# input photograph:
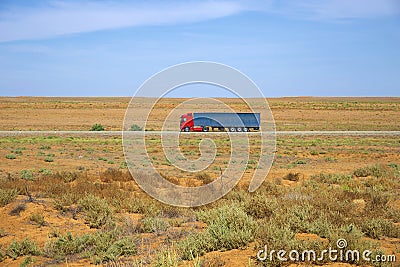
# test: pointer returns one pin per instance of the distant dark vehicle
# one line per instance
(209, 121)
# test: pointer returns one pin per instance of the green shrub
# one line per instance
(38, 218)
(97, 127)
(27, 261)
(11, 156)
(261, 206)
(27, 175)
(100, 246)
(97, 211)
(1, 256)
(378, 227)
(7, 196)
(331, 178)
(26, 247)
(122, 247)
(377, 171)
(154, 225)
(166, 257)
(45, 171)
(49, 159)
(135, 127)
(229, 227)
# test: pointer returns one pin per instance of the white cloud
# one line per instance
(344, 9)
(62, 17)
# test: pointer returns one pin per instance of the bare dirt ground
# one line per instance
(303, 113)
(58, 171)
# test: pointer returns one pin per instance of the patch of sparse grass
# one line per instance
(260, 205)
(25, 247)
(378, 227)
(97, 127)
(7, 196)
(27, 175)
(11, 156)
(26, 262)
(292, 176)
(38, 219)
(229, 227)
(166, 257)
(101, 247)
(204, 177)
(49, 159)
(45, 171)
(97, 211)
(154, 225)
(378, 171)
(331, 178)
(135, 127)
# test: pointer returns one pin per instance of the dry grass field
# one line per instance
(69, 200)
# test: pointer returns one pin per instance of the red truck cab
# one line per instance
(187, 122)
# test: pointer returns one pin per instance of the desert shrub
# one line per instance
(7, 196)
(100, 246)
(11, 156)
(26, 262)
(298, 217)
(113, 174)
(229, 227)
(331, 178)
(66, 245)
(1, 256)
(135, 127)
(204, 177)
(277, 236)
(97, 127)
(65, 176)
(154, 225)
(292, 176)
(166, 257)
(125, 246)
(65, 200)
(300, 162)
(49, 159)
(261, 206)
(45, 171)
(97, 211)
(25, 247)
(377, 171)
(17, 210)
(37, 218)
(144, 206)
(378, 227)
(376, 200)
(27, 175)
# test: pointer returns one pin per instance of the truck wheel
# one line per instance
(239, 129)
(187, 129)
(205, 129)
(245, 129)
(232, 129)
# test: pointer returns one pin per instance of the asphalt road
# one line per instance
(118, 133)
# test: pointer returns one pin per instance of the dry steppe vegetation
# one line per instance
(70, 200)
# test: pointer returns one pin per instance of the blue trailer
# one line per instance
(208, 121)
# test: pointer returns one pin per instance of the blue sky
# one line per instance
(288, 48)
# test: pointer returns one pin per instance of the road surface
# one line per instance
(119, 133)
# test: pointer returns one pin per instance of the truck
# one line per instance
(221, 121)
